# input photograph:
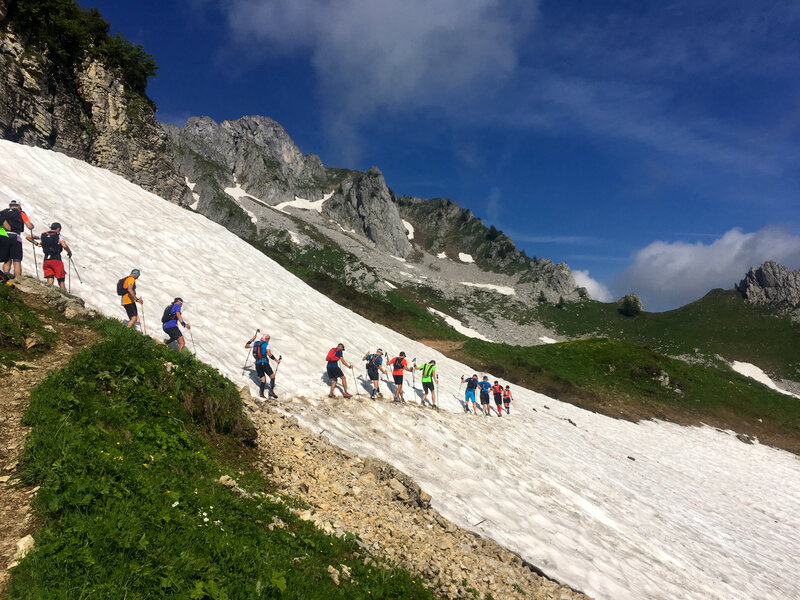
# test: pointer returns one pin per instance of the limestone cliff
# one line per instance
(772, 284)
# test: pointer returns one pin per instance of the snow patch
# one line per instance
(753, 372)
(390, 285)
(295, 237)
(467, 258)
(500, 289)
(237, 193)
(189, 184)
(547, 340)
(458, 325)
(441, 255)
(304, 204)
(658, 510)
(409, 229)
(398, 258)
(195, 195)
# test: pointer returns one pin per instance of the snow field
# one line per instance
(693, 513)
(753, 372)
(500, 289)
(304, 204)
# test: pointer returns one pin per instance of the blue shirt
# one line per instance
(472, 383)
(264, 349)
(335, 363)
(374, 361)
(485, 386)
(173, 322)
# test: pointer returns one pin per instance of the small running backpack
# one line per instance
(332, 355)
(398, 362)
(14, 218)
(167, 316)
(259, 352)
(51, 245)
(121, 291)
(372, 361)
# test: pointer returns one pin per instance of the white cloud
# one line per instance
(597, 291)
(670, 274)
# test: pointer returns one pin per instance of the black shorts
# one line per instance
(263, 369)
(427, 386)
(131, 310)
(484, 398)
(498, 398)
(5, 249)
(507, 400)
(372, 374)
(173, 332)
(335, 373)
(398, 379)
(14, 249)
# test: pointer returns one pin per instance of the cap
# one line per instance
(179, 299)
(265, 337)
(340, 344)
(379, 351)
(486, 377)
(136, 272)
(402, 354)
(55, 225)
(14, 203)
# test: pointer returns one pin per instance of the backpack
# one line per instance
(51, 245)
(167, 316)
(398, 362)
(14, 218)
(259, 352)
(121, 291)
(4, 277)
(331, 356)
(372, 362)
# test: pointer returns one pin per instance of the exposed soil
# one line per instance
(15, 384)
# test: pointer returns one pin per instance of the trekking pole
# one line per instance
(191, 337)
(247, 358)
(144, 324)
(78, 275)
(35, 262)
(414, 376)
(69, 278)
(353, 371)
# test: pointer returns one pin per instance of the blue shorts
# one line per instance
(470, 396)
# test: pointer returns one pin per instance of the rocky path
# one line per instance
(390, 514)
(15, 385)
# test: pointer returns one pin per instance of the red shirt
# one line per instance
(395, 370)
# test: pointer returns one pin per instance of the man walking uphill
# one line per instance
(374, 364)
(52, 244)
(14, 221)
(170, 319)
(126, 288)
(429, 378)
(262, 354)
(399, 364)
(335, 371)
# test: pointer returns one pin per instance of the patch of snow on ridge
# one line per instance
(547, 340)
(467, 258)
(697, 514)
(189, 184)
(441, 255)
(195, 195)
(237, 193)
(500, 289)
(409, 229)
(295, 237)
(398, 258)
(458, 325)
(304, 204)
(390, 285)
(753, 372)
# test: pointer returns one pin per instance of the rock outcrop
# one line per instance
(771, 284)
(88, 114)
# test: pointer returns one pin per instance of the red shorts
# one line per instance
(54, 268)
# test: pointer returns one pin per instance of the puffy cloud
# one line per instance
(669, 274)
(597, 291)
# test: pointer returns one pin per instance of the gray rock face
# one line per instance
(89, 116)
(365, 204)
(771, 284)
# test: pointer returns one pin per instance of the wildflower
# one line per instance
(174, 504)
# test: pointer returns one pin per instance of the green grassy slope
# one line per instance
(127, 444)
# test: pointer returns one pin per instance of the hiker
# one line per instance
(469, 394)
(374, 364)
(429, 377)
(173, 314)
(5, 252)
(14, 221)
(126, 288)
(52, 243)
(497, 392)
(399, 364)
(335, 371)
(507, 399)
(485, 386)
(262, 353)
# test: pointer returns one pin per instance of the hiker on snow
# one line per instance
(126, 288)
(52, 243)
(335, 371)
(262, 354)
(507, 399)
(429, 378)
(469, 394)
(374, 364)
(399, 364)
(170, 319)
(485, 386)
(14, 221)
(497, 392)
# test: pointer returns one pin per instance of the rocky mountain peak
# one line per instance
(771, 284)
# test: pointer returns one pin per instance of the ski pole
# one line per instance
(191, 337)
(414, 376)
(353, 371)
(78, 275)
(35, 262)
(69, 278)
(144, 324)
(247, 358)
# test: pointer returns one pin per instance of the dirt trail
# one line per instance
(16, 520)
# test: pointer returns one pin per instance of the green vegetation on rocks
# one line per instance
(19, 326)
(128, 444)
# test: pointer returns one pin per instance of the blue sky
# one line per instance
(655, 147)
